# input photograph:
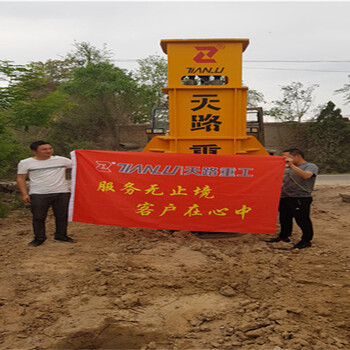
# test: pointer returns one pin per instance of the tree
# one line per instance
(255, 98)
(86, 53)
(79, 101)
(102, 97)
(296, 101)
(329, 113)
(346, 91)
(10, 152)
(328, 138)
(152, 75)
(30, 97)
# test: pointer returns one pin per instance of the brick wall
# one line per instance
(279, 136)
(133, 136)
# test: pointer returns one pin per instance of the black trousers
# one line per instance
(299, 209)
(39, 206)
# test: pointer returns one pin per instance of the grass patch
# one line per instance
(10, 201)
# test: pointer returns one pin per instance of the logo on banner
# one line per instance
(205, 53)
(104, 166)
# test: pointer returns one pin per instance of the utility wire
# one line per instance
(300, 61)
(126, 60)
(277, 61)
(260, 61)
(305, 70)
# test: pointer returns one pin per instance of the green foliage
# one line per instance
(328, 137)
(30, 97)
(10, 153)
(85, 53)
(4, 208)
(10, 73)
(152, 76)
(97, 79)
(295, 102)
(102, 97)
(10, 201)
(255, 98)
(36, 112)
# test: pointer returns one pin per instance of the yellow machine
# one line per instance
(207, 102)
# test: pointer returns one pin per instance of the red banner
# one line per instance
(190, 192)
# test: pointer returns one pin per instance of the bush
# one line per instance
(329, 141)
(4, 209)
(10, 201)
(10, 154)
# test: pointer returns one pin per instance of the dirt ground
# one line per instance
(125, 288)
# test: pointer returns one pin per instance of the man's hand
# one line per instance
(289, 160)
(302, 173)
(22, 186)
(26, 198)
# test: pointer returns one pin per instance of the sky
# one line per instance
(307, 42)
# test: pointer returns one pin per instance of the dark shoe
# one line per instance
(36, 242)
(302, 245)
(65, 239)
(278, 239)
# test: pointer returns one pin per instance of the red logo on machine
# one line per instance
(204, 57)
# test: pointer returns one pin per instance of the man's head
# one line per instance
(41, 149)
(34, 145)
(295, 155)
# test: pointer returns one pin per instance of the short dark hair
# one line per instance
(34, 145)
(294, 151)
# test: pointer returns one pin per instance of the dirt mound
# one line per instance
(124, 288)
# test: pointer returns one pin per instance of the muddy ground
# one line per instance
(125, 288)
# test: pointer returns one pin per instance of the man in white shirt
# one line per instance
(47, 187)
